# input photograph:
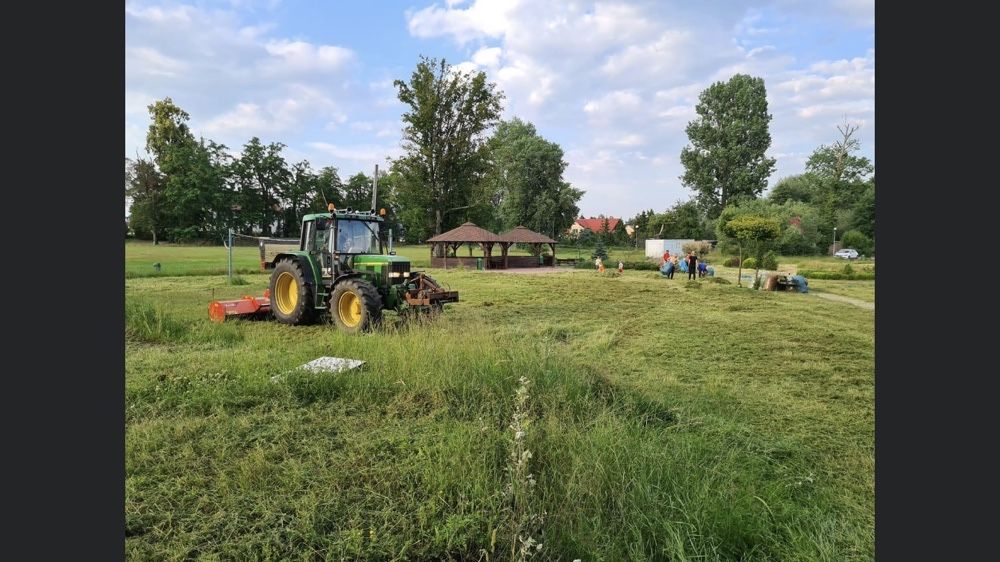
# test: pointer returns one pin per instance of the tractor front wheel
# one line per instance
(291, 295)
(356, 306)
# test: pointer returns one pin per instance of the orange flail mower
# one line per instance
(247, 307)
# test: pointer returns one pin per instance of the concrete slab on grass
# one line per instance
(326, 365)
(331, 365)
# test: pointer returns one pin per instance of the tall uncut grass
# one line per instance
(662, 423)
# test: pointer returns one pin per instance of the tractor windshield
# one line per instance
(357, 237)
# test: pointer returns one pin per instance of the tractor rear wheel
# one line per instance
(356, 306)
(291, 295)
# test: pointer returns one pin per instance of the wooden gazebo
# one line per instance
(469, 234)
(523, 235)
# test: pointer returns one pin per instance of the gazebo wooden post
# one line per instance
(504, 248)
(488, 251)
(553, 246)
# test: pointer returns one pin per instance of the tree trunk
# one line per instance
(739, 274)
(155, 241)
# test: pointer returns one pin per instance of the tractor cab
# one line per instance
(335, 239)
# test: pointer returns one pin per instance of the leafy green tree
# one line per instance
(754, 232)
(803, 188)
(857, 240)
(863, 215)
(524, 180)
(599, 250)
(358, 192)
(604, 235)
(329, 189)
(144, 186)
(194, 181)
(449, 114)
(726, 161)
(641, 223)
(836, 163)
(300, 196)
(844, 179)
(261, 175)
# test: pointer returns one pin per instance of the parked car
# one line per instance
(847, 254)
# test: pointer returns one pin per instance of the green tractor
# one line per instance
(342, 268)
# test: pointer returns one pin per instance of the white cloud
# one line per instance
(631, 139)
(276, 115)
(665, 54)
(484, 18)
(176, 14)
(299, 57)
(362, 154)
(487, 56)
(149, 61)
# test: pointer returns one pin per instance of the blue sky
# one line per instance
(614, 83)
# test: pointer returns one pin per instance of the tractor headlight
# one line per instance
(406, 274)
(395, 274)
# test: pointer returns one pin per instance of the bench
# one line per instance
(566, 261)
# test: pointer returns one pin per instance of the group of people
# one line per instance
(691, 264)
(599, 264)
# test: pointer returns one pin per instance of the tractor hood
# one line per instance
(378, 259)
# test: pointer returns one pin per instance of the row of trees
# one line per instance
(195, 189)
(727, 169)
(461, 163)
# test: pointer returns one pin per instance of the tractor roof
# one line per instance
(345, 214)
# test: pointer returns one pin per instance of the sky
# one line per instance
(613, 83)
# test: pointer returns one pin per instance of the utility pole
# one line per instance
(375, 189)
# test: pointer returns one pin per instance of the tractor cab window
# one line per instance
(357, 237)
(317, 235)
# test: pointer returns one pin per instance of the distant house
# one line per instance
(593, 224)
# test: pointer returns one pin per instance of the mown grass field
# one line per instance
(668, 421)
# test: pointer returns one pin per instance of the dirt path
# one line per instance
(848, 300)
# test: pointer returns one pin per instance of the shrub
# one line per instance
(639, 265)
(857, 240)
(750, 263)
(732, 262)
(698, 247)
(769, 262)
(848, 270)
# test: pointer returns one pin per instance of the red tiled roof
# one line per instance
(596, 224)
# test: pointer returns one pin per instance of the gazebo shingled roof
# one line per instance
(524, 235)
(468, 232)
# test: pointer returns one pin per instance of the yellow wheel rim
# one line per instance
(286, 293)
(349, 307)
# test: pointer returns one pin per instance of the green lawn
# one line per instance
(667, 422)
(177, 260)
(861, 290)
